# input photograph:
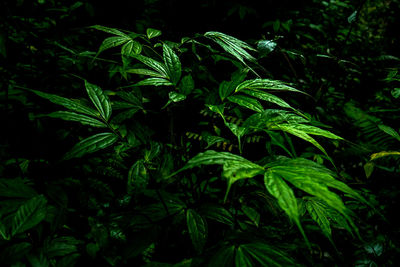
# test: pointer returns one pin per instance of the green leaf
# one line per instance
(368, 169)
(72, 116)
(111, 42)
(265, 47)
(225, 89)
(138, 176)
(131, 48)
(242, 258)
(186, 85)
(99, 99)
(247, 102)
(16, 188)
(62, 246)
(152, 33)
(219, 214)
(197, 227)
(153, 64)
(91, 144)
(154, 82)
(266, 84)
(267, 255)
(390, 131)
(384, 154)
(267, 97)
(109, 30)
(29, 215)
(320, 216)
(252, 214)
(68, 103)
(146, 72)
(176, 97)
(173, 64)
(223, 257)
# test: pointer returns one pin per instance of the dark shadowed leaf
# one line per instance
(29, 214)
(197, 227)
(99, 99)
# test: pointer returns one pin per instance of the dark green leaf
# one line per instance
(91, 144)
(131, 48)
(16, 188)
(242, 258)
(223, 257)
(29, 214)
(154, 82)
(152, 33)
(186, 85)
(155, 65)
(72, 116)
(319, 214)
(146, 72)
(266, 84)
(266, 97)
(197, 227)
(173, 64)
(99, 99)
(218, 213)
(176, 97)
(109, 30)
(138, 176)
(111, 42)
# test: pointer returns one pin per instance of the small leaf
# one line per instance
(111, 42)
(225, 89)
(265, 47)
(352, 17)
(72, 116)
(131, 48)
(152, 33)
(223, 257)
(395, 92)
(247, 102)
(197, 227)
(186, 85)
(99, 99)
(29, 214)
(91, 144)
(138, 176)
(368, 169)
(154, 82)
(173, 64)
(390, 131)
(176, 97)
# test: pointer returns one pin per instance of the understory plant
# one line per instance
(192, 155)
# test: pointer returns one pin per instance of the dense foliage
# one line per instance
(135, 135)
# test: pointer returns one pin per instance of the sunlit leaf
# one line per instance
(91, 144)
(390, 131)
(320, 216)
(384, 154)
(109, 30)
(265, 84)
(266, 97)
(154, 82)
(146, 72)
(131, 48)
(111, 42)
(152, 33)
(154, 64)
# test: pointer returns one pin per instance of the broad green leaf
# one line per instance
(176, 97)
(242, 258)
(68, 103)
(146, 72)
(173, 64)
(309, 129)
(109, 30)
(131, 48)
(252, 214)
(29, 214)
(218, 213)
(99, 99)
(72, 116)
(319, 214)
(267, 255)
(153, 64)
(246, 102)
(384, 154)
(16, 188)
(266, 84)
(111, 42)
(197, 227)
(266, 97)
(152, 33)
(91, 144)
(277, 187)
(390, 131)
(138, 176)
(225, 89)
(223, 257)
(154, 82)
(186, 85)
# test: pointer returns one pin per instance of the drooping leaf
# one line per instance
(29, 215)
(99, 99)
(72, 116)
(266, 84)
(131, 48)
(68, 103)
(173, 64)
(384, 154)
(197, 227)
(267, 97)
(390, 131)
(91, 144)
(152, 33)
(154, 82)
(246, 102)
(319, 214)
